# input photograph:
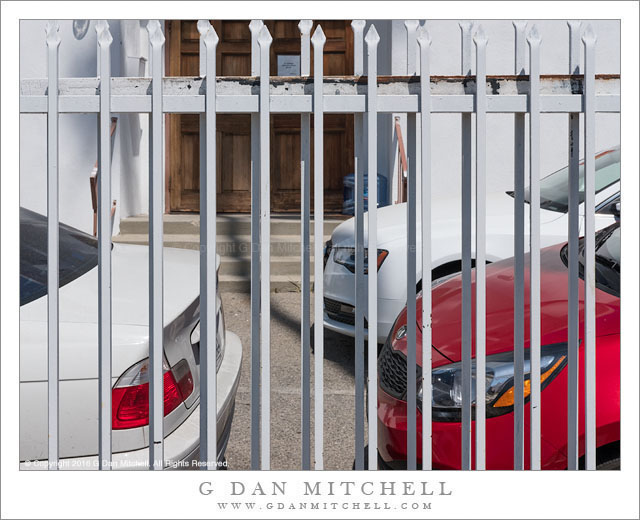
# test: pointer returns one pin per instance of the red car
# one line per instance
(446, 364)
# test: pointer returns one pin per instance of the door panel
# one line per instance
(233, 130)
(233, 144)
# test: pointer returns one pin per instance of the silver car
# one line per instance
(78, 354)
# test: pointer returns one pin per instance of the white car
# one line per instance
(339, 277)
(78, 353)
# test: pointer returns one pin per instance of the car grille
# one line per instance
(392, 371)
(341, 312)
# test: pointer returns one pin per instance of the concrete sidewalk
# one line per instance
(339, 388)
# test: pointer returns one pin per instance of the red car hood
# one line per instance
(447, 312)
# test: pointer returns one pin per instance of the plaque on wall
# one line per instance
(288, 65)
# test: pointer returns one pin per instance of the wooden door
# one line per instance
(233, 136)
(233, 130)
(285, 128)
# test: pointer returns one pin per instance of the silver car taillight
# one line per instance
(130, 394)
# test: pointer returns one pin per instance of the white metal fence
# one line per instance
(419, 95)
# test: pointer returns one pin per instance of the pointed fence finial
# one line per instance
(264, 36)
(574, 25)
(466, 27)
(372, 37)
(255, 25)
(589, 36)
(104, 35)
(210, 38)
(574, 46)
(52, 35)
(411, 24)
(203, 26)
(424, 38)
(318, 38)
(466, 48)
(534, 37)
(479, 37)
(412, 62)
(520, 59)
(304, 26)
(358, 25)
(520, 26)
(101, 25)
(254, 28)
(156, 37)
(358, 46)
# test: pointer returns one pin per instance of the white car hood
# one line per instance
(130, 289)
(446, 215)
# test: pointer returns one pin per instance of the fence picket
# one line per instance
(264, 42)
(589, 40)
(208, 261)
(573, 362)
(412, 27)
(318, 39)
(481, 242)
(104, 248)
(412, 410)
(372, 39)
(255, 26)
(359, 165)
(519, 168)
(466, 142)
(534, 171)
(156, 225)
(305, 267)
(425, 127)
(53, 335)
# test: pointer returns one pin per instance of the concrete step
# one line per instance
(227, 245)
(242, 284)
(226, 224)
(174, 240)
(234, 245)
(173, 225)
(280, 265)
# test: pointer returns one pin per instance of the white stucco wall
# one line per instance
(446, 60)
(78, 148)
(78, 132)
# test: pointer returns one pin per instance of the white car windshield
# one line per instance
(554, 189)
(78, 254)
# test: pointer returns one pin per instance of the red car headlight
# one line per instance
(447, 382)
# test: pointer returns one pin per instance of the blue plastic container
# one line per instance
(348, 204)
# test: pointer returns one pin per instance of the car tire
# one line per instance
(609, 465)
